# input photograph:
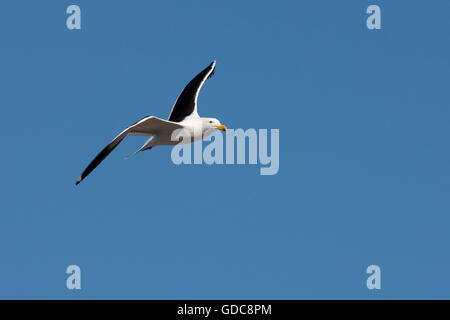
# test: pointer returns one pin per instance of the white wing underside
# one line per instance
(152, 126)
(158, 129)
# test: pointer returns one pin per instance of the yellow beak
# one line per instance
(222, 127)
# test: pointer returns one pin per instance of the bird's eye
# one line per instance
(210, 122)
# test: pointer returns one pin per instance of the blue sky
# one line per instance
(364, 158)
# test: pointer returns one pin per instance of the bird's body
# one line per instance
(183, 126)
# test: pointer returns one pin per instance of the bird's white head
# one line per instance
(213, 123)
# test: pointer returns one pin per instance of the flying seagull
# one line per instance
(183, 116)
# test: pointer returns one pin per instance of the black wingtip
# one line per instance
(78, 181)
(213, 64)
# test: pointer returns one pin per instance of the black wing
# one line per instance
(102, 155)
(186, 103)
(148, 126)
